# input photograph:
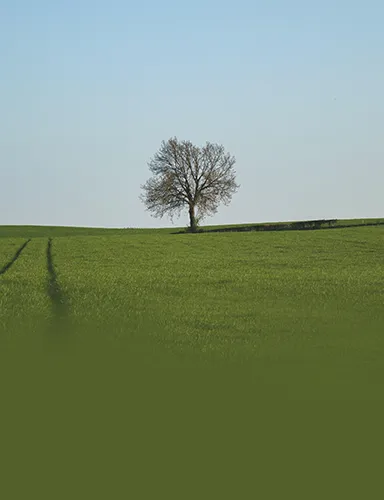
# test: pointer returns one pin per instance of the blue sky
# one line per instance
(88, 90)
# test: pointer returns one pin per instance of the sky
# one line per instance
(90, 89)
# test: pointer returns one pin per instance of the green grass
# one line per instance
(8, 248)
(302, 298)
(63, 231)
(24, 303)
(182, 366)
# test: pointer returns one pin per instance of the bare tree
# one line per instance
(187, 176)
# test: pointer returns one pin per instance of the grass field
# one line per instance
(259, 298)
(223, 320)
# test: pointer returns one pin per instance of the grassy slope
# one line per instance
(296, 297)
(292, 297)
(146, 408)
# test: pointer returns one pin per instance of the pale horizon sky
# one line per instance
(89, 89)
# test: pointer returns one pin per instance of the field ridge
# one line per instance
(71, 231)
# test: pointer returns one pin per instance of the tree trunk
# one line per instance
(192, 219)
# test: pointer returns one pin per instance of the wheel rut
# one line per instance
(58, 298)
(9, 264)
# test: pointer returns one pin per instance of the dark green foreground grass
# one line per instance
(146, 364)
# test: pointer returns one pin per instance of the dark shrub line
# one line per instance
(14, 258)
(293, 226)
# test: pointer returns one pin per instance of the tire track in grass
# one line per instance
(58, 299)
(14, 258)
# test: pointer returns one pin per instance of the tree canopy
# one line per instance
(188, 176)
